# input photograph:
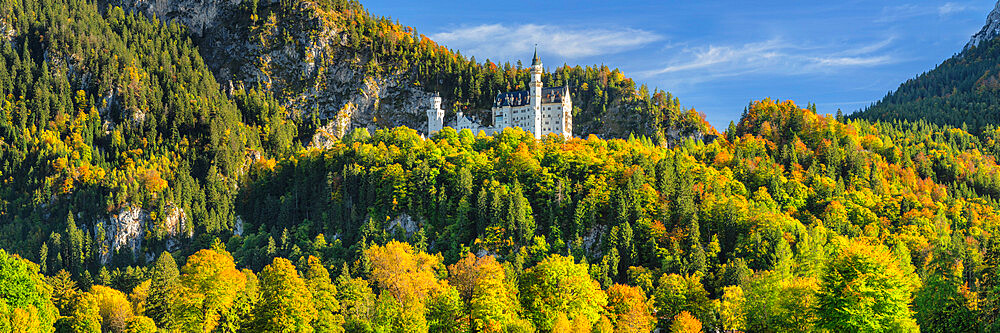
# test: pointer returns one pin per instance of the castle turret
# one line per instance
(536, 95)
(567, 116)
(435, 115)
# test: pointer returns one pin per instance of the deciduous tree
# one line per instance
(864, 289)
(286, 304)
(559, 285)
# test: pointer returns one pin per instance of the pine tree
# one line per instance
(43, 258)
(164, 292)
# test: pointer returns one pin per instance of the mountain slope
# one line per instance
(989, 31)
(115, 137)
(331, 59)
(961, 91)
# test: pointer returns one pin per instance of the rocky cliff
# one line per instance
(299, 53)
(307, 54)
(989, 31)
(198, 15)
(125, 230)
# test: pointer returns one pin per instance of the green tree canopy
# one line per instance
(286, 305)
(25, 298)
(864, 289)
(559, 285)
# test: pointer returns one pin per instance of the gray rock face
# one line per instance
(175, 222)
(7, 32)
(125, 230)
(197, 15)
(989, 31)
(316, 72)
(406, 223)
(301, 57)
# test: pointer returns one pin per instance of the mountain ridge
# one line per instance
(960, 92)
(335, 61)
(989, 31)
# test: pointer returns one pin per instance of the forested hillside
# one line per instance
(773, 209)
(340, 67)
(788, 222)
(113, 133)
(117, 139)
(137, 194)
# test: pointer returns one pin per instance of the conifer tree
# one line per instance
(164, 292)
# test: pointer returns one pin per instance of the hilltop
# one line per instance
(335, 61)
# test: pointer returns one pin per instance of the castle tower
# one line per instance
(567, 113)
(536, 95)
(435, 115)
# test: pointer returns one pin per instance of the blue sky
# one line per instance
(716, 56)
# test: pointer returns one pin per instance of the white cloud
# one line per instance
(775, 56)
(509, 42)
(903, 12)
(853, 61)
(951, 7)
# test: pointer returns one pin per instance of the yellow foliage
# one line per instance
(684, 322)
(405, 274)
(152, 180)
(114, 309)
(267, 164)
(629, 309)
(139, 296)
(211, 284)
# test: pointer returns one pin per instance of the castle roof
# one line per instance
(521, 98)
(512, 98)
(536, 61)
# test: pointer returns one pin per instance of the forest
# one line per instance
(140, 195)
(792, 221)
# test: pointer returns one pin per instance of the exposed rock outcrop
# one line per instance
(7, 32)
(175, 224)
(197, 15)
(125, 230)
(989, 31)
(301, 56)
(238, 226)
(406, 223)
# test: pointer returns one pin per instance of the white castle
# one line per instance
(537, 110)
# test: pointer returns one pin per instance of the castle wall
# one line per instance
(528, 110)
(435, 116)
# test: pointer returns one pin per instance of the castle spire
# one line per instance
(535, 61)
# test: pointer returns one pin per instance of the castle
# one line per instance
(538, 110)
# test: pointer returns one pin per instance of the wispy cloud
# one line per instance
(506, 42)
(951, 7)
(775, 56)
(902, 12)
(909, 11)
